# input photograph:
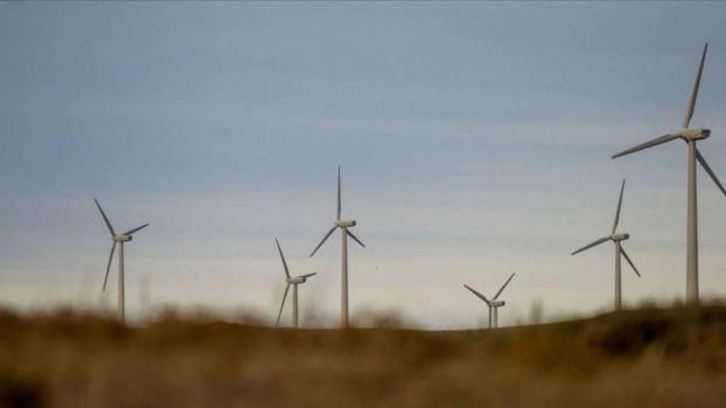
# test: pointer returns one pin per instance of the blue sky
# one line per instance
(474, 138)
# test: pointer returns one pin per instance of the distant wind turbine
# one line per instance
(145, 293)
(493, 304)
(619, 250)
(119, 239)
(345, 233)
(690, 136)
(294, 281)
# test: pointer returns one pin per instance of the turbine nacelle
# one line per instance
(497, 303)
(296, 280)
(345, 223)
(620, 237)
(122, 238)
(694, 134)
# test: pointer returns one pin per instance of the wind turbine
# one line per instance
(345, 233)
(119, 239)
(294, 281)
(145, 293)
(690, 136)
(493, 304)
(619, 250)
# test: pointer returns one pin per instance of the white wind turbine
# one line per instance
(493, 304)
(345, 233)
(294, 281)
(619, 250)
(119, 239)
(690, 136)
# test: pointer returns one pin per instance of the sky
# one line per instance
(474, 139)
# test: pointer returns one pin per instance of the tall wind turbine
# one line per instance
(493, 304)
(119, 239)
(690, 136)
(344, 226)
(619, 250)
(294, 281)
(145, 294)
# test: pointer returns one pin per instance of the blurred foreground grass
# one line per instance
(650, 357)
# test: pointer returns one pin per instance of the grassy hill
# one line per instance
(652, 357)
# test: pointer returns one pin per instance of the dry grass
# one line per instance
(651, 357)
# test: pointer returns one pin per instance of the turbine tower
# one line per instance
(619, 250)
(294, 281)
(690, 136)
(493, 304)
(119, 239)
(344, 226)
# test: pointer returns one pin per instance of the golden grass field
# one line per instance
(650, 357)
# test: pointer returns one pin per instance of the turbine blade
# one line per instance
(502, 288)
(129, 232)
(620, 204)
(710, 172)
(325, 238)
(627, 258)
(279, 314)
(103, 214)
(284, 264)
(590, 245)
(108, 265)
(645, 145)
(350, 234)
(307, 275)
(479, 295)
(694, 92)
(339, 203)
